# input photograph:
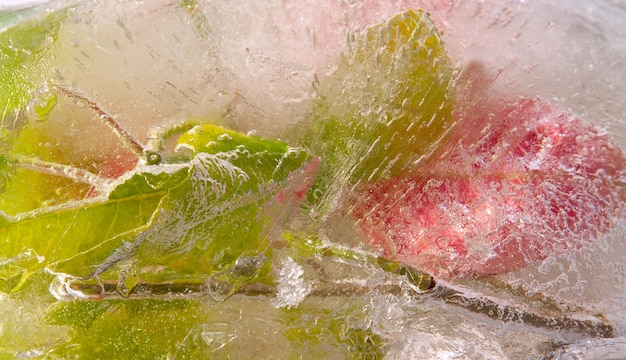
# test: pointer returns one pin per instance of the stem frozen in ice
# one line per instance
(51, 168)
(128, 140)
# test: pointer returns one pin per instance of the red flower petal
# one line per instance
(515, 186)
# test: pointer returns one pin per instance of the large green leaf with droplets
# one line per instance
(218, 195)
(61, 233)
(189, 220)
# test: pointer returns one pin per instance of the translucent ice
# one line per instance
(511, 193)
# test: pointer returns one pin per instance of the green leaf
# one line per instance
(27, 190)
(145, 183)
(264, 158)
(336, 330)
(309, 246)
(22, 61)
(131, 329)
(175, 223)
(25, 58)
(59, 234)
(387, 105)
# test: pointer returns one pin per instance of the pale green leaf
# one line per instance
(387, 105)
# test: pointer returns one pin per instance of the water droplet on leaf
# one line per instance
(219, 286)
(247, 266)
(80, 103)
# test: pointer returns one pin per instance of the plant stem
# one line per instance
(594, 325)
(126, 138)
(67, 171)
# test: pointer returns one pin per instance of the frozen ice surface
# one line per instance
(611, 349)
(555, 49)
(251, 64)
(20, 3)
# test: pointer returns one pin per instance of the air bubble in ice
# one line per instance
(219, 286)
(247, 266)
(195, 130)
(224, 137)
(29, 354)
(293, 153)
(153, 158)
(184, 149)
(127, 278)
(80, 103)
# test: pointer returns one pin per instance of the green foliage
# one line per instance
(61, 234)
(338, 332)
(201, 219)
(145, 184)
(22, 64)
(387, 105)
(130, 329)
(25, 189)
(265, 159)
(308, 246)
(24, 70)
(188, 220)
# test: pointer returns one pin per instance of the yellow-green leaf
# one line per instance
(387, 106)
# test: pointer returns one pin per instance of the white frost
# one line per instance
(292, 288)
